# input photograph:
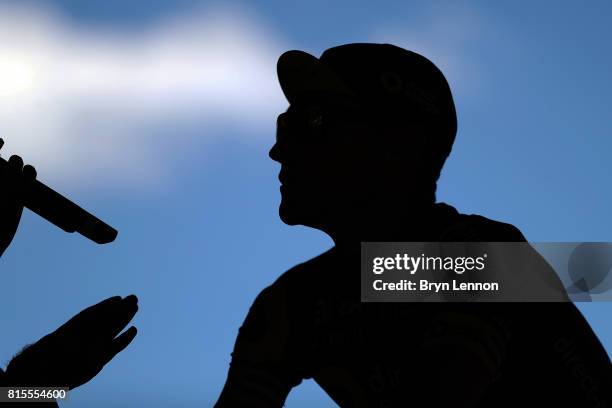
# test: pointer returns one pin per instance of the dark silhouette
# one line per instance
(361, 148)
(59, 210)
(77, 351)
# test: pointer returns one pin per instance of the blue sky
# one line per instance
(157, 116)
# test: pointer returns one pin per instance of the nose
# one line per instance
(274, 152)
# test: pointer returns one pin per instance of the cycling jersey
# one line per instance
(311, 324)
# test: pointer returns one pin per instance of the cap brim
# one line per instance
(300, 73)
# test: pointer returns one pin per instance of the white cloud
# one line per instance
(77, 101)
(81, 102)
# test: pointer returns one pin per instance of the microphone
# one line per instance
(62, 212)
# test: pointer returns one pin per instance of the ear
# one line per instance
(404, 145)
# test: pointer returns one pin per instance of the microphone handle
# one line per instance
(62, 212)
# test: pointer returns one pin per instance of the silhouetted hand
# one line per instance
(12, 180)
(77, 351)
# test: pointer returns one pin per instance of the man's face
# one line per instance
(332, 161)
(319, 146)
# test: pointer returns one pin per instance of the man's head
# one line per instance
(366, 134)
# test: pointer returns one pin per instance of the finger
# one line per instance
(99, 354)
(107, 319)
(122, 341)
(117, 346)
(84, 323)
(112, 299)
(122, 318)
(29, 172)
(16, 162)
(101, 307)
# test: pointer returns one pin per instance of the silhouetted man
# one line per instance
(77, 351)
(361, 148)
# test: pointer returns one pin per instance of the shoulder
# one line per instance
(277, 319)
(306, 271)
(300, 279)
(474, 227)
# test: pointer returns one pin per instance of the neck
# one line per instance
(409, 224)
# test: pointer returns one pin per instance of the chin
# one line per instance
(294, 212)
(289, 214)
